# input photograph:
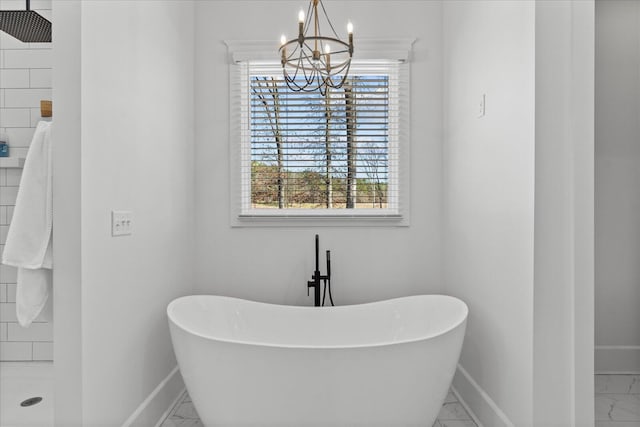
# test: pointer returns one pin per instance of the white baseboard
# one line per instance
(157, 405)
(483, 410)
(617, 359)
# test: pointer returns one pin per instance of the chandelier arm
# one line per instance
(309, 59)
(325, 38)
(334, 69)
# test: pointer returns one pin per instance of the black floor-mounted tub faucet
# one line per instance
(316, 278)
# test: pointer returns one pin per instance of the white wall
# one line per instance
(564, 219)
(134, 84)
(273, 264)
(518, 200)
(617, 183)
(489, 196)
(67, 289)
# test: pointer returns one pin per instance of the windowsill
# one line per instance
(278, 219)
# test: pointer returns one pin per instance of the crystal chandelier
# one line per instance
(313, 61)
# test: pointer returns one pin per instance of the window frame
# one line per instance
(392, 57)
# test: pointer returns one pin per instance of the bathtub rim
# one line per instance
(425, 337)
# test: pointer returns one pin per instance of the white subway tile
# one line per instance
(35, 332)
(3, 331)
(15, 117)
(11, 292)
(25, 98)
(3, 293)
(17, 78)
(10, 210)
(3, 177)
(8, 274)
(28, 58)
(16, 351)
(13, 176)
(8, 312)
(42, 351)
(8, 196)
(1, 90)
(4, 229)
(19, 137)
(40, 78)
(4, 216)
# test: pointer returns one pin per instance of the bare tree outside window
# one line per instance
(266, 90)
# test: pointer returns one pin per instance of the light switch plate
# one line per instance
(482, 110)
(121, 223)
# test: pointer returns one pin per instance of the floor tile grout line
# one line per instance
(179, 401)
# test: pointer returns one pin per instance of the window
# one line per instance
(304, 155)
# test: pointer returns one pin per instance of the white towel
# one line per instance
(28, 245)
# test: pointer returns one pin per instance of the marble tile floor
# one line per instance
(617, 400)
(452, 414)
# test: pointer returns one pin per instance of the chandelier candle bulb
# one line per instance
(283, 46)
(350, 31)
(301, 26)
(327, 56)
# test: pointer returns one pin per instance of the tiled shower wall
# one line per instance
(25, 79)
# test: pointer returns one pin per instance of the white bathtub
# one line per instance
(387, 363)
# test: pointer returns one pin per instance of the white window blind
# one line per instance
(304, 154)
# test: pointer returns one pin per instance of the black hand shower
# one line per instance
(26, 25)
(327, 280)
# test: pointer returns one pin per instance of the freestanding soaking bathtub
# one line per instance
(387, 363)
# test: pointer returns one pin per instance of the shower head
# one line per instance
(25, 25)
